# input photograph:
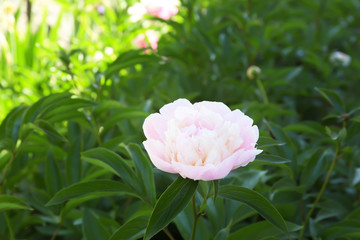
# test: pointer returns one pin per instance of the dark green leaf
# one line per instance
(271, 158)
(145, 171)
(255, 201)
(94, 188)
(52, 174)
(73, 162)
(92, 228)
(117, 163)
(333, 98)
(170, 204)
(268, 142)
(261, 230)
(131, 230)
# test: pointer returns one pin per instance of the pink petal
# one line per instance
(155, 127)
(206, 173)
(169, 109)
(239, 117)
(217, 107)
(156, 150)
(242, 158)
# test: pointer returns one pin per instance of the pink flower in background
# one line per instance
(161, 8)
(143, 40)
(158, 8)
(201, 141)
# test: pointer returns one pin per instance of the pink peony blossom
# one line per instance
(201, 141)
(143, 40)
(163, 9)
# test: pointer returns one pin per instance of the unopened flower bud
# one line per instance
(253, 72)
(340, 59)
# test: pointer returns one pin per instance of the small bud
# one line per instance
(340, 59)
(253, 72)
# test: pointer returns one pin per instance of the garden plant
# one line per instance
(188, 119)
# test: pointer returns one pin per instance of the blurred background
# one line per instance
(77, 79)
(196, 49)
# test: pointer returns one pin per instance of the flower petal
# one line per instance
(156, 150)
(217, 107)
(155, 127)
(169, 109)
(242, 158)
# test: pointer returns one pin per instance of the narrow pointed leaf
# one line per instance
(255, 201)
(12, 203)
(92, 228)
(117, 163)
(170, 204)
(145, 171)
(133, 229)
(95, 187)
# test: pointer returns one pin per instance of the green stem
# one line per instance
(7, 168)
(11, 231)
(321, 191)
(196, 216)
(167, 232)
(262, 90)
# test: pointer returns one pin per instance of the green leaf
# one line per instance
(73, 161)
(52, 174)
(170, 204)
(95, 187)
(261, 230)
(216, 188)
(132, 229)
(92, 228)
(128, 59)
(117, 163)
(333, 98)
(255, 201)
(12, 203)
(265, 142)
(271, 158)
(145, 171)
(314, 168)
(6, 143)
(124, 113)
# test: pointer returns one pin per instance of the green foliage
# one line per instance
(71, 161)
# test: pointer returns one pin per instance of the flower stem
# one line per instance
(196, 216)
(262, 90)
(167, 232)
(321, 191)
(11, 231)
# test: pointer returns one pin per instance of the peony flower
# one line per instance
(340, 58)
(143, 40)
(136, 12)
(201, 141)
(163, 9)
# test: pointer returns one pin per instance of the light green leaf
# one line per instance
(170, 204)
(12, 203)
